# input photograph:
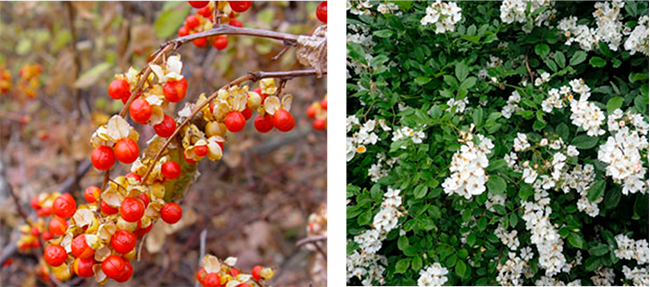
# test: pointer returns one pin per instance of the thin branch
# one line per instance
(530, 73)
(288, 39)
(254, 77)
(311, 239)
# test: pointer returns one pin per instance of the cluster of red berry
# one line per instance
(31, 232)
(215, 273)
(318, 111)
(204, 19)
(5, 80)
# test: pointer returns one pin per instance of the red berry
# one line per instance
(131, 209)
(187, 159)
(140, 111)
(192, 22)
(240, 6)
(142, 231)
(235, 121)
(200, 42)
(128, 272)
(183, 31)
(247, 113)
(35, 203)
(171, 213)
(45, 211)
(311, 111)
(107, 209)
(201, 150)
(326, 11)
(126, 150)
(283, 121)
(201, 274)
(205, 12)
(256, 271)
(175, 90)
(166, 127)
(320, 124)
(236, 23)
(264, 124)
(133, 176)
(234, 272)
(171, 170)
(103, 157)
(243, 285)
(84, 267)
(91, 193)
(34, 231)
(55, 255)
(145, 199)
(123, 241)
(114, 266)
(220, 42)
(199, 4)
(58, 226)
(46, 235)
(328, 104)
(80, 248)
(64, 206)
(119, 89)
(211, 280)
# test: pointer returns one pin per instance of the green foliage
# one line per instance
(407, 78)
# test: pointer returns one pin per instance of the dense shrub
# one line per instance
(497, 143)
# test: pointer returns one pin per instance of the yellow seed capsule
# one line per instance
(215, 129)
(267, 273)
(254, 100)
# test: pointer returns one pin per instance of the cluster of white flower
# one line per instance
(550, 281)
(629, 249)
(365, 265)
(360, 34)
(369, 267)
(510, 272)
(405, 132)
(580, 179)
(556, 98)
(638, 275)
(587, 115)
(509, 239)
(382, 167)
(544, 235)
(623, 151)
(515, 11)
(610, 29)
(389, 8)
(603, 277)
(608, 18)
(638, 40)
(459, 104)
(364, 136)
(443, 15)
(544, 77)
(512, 106)
(468, 168)
(433, 275)
(359, 7)
(387, 217)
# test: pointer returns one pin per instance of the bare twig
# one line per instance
(530, 73)
(311, 239)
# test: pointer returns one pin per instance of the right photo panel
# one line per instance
(497, 143)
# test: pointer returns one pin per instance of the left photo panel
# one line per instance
(163, 143)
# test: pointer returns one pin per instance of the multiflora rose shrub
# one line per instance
(497, 143)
